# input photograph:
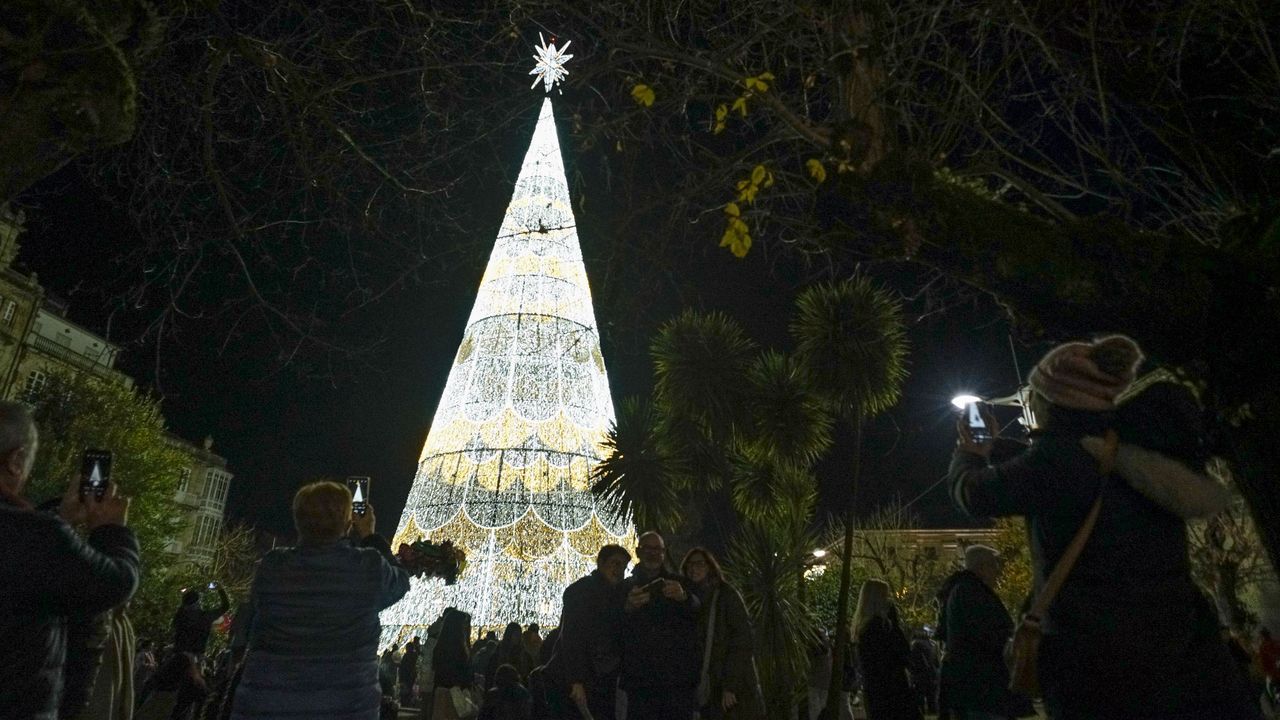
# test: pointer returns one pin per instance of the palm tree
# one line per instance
(635, 475)
(700, 364)
(851, 343)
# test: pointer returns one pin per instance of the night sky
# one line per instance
(279, 428)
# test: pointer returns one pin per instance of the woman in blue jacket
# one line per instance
(313, 633)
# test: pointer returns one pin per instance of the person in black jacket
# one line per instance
(584, 665)
(1129, 635)
(507, 699)
(192, 625)
(883, 655)
(975, 626)
(661, 650)
(48, 574)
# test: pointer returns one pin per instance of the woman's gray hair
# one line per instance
(17, 427)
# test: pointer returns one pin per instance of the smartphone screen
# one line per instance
(95, 472)
(359, 486)
(977, 426)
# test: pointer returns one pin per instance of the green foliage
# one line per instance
(635, 475)
(851, 342)
(78, 411)
(765, 562)
(762, 487)
(789, 422)
(700, 362)
(1016, 578)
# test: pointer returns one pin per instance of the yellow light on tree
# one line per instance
(505, 471)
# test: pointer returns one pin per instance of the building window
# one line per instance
(34, 388)
(184, 479)
(206, 533)
(10, 308)
(216, 483)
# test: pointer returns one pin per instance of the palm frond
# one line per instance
(700, 363)
(852, 345)
(634, 477)
(789, 422)
(761, 488)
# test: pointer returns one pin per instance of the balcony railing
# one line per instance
(67, 355)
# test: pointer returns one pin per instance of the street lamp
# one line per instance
(819, 553)
(962, 400)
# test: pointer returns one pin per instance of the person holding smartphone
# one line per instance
(192, 624)
(49, 574)
(661, 647)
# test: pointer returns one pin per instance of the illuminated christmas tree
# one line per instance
(505, 471)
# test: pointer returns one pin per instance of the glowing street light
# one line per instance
(960, 401)
(819, 553)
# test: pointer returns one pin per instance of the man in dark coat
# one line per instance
(48, 574)
(975, 627)
(192, 625)
(661, 649)
(586, 659)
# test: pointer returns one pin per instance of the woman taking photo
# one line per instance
(730, 686)
(313, 624)
(883, 656)
(1128, 633)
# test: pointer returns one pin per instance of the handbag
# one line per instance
(463, 706)
(704, 681)
(1023, 676)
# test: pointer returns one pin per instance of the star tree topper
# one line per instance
(549, 67)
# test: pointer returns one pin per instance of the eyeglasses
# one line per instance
(652, 548)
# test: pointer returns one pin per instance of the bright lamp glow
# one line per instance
(505, 471)
(819, 553)
(961, 400)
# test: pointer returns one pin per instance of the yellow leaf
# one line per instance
(759, 83)
(757, 174)
(722, 111)
(741, 105)
(816, 170)
(732, 210)
(747, 193)
(643, 94)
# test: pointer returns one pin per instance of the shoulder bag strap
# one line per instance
(711, 631)
(1068, 560)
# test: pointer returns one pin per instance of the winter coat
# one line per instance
(588, 648)
(517, 657)
(313, 635)
(975, 625)
(49, 576)
(883, 657)
(661, 648)
(732, 662)
(192, 625)
(1129, 635)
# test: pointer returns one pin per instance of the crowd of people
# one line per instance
(1115, 629)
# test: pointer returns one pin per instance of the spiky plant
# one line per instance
(852, 346)
(790, 423)
(634, 476)
(765, 575)
(760, 487)
(700, 363)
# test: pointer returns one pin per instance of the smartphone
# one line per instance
(95, 472)
(359, 487)
(655, 586)
(978, 429)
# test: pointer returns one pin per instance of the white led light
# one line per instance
(505, 471)
(549, 63)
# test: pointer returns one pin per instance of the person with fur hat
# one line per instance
(1129, 634)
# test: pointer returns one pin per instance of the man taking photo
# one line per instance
(48, 573)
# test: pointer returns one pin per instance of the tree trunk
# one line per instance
(831, 710)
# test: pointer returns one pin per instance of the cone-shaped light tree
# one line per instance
(505, 471)
(851, 342)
